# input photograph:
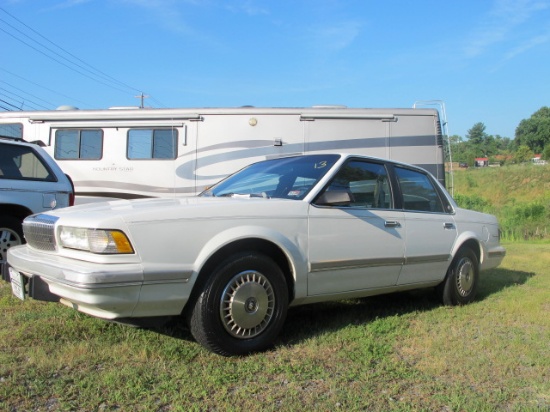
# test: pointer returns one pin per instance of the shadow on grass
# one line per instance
(495, 280)
(306, 321)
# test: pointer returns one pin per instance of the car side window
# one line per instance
(418, 191)
(22, 163)
(366, 184)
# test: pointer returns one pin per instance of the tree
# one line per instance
(503, 143)
(535, 131)
(476, 135)
(546, 152)
(523, 154)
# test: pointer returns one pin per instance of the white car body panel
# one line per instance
(331, 252)
(341, 261)
(427, 261)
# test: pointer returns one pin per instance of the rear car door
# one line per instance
(26, 179)
(430, 227)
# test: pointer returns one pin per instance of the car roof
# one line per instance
(17, 142)
(349, 155)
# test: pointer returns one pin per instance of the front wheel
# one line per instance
(11, 234)
(461, 283)
(242, 306)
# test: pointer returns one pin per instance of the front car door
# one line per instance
(356, 237)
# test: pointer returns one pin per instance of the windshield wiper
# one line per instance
(243, 195)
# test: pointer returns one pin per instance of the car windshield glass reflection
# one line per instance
(284, 178)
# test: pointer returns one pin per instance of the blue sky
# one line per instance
(488, 61)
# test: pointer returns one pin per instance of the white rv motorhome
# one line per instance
(132, 152)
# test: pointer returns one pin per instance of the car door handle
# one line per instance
(392, 223)
(449, 225)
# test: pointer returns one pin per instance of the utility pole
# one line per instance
(142, 97)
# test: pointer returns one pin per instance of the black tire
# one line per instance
(462, 280)
(11, 234)
(242, 306)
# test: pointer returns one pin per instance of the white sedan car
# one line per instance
(279, 233)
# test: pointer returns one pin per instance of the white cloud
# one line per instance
(70, 3)
(336, 37)
(527, 45)
(500, 23)
(250, 7)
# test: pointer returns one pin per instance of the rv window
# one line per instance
(78, 144)
(11, 130)
(152, 143)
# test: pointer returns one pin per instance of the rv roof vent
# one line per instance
(67, 107)
(329, 106)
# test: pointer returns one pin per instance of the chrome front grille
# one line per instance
(39, 231)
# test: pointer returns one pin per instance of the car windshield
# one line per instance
(284, 178)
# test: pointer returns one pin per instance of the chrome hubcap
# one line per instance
(247, 305)
(8, 238)
(465, 277)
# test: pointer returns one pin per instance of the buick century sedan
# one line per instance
(279, 233)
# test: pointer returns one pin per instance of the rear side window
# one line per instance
(72, 144)
(419, 193)
(11, 130)
(152, 144)
(23, 163)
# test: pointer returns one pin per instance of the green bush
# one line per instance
(519, 195)
(472, 202)
(525, 221)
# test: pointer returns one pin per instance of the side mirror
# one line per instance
(336, 197)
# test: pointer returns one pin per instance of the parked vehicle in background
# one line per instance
(133, 153)
(279, 233)
(30, 182)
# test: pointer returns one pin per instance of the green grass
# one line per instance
(402, 352)
(519, 195)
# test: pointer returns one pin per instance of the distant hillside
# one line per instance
(519, 195)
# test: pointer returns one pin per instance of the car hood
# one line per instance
(161, 209)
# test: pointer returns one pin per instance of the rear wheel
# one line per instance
(242, 306)
(461, 283)
(11, 234)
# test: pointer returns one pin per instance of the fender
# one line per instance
(466, 237)
(294, 247)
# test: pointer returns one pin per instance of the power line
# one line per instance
(25, 100)
(60, 62)
(43, 87)
(73, 63)
(9, 104)
(29, 94)
(92, 70)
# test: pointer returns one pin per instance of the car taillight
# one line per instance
(72, 194)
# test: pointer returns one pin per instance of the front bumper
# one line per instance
(108, 291)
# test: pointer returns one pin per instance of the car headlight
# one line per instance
(102, 241)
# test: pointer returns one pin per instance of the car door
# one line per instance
(26, 179)
(430, 228)
(356, 237)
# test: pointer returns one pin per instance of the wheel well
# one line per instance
(473, 245)
(17, 211)
(246, 245)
